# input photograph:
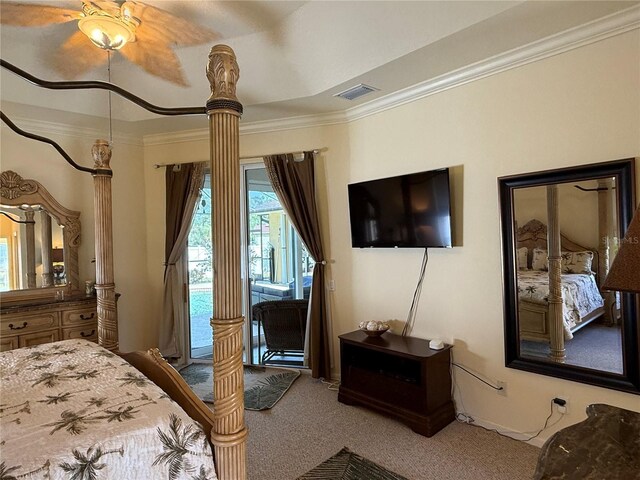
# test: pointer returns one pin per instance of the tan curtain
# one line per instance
(183, 185)
(294, 184)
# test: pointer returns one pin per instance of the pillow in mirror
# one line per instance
(577, 262)
(540, 260)
(572, 262)
(521, 258)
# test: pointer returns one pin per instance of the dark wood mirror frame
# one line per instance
(624, 172)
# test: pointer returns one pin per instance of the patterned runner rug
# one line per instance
(346, 465)
(263, 386)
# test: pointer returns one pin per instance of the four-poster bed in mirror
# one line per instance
(224, 426)
(579, 289)
(545, 194)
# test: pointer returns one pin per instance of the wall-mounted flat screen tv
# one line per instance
(411, 210)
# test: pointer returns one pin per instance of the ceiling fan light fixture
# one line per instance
(106, 32)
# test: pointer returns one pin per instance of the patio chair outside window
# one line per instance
(284, 323)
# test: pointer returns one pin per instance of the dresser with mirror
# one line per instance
(40, 296)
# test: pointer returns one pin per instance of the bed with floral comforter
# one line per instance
(73, 410)
(580, 295)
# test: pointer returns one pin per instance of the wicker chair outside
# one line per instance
(284, 323)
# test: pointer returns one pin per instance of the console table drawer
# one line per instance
(89, 332)
(80, 316)
(31, 339)
(24, 324)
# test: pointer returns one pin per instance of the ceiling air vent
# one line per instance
(357, 91)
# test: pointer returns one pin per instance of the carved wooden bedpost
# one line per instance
(229, 433)
(556, 324)
(105, 286)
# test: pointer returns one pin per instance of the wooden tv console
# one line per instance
(398, 376)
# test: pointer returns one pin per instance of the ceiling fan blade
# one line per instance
(157, 59)
(77, 56)
(30, 15)
(159, 25)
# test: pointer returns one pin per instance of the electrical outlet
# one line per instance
(332, 285)
(562, 404)
(503, 388)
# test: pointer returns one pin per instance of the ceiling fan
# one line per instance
(143, 34)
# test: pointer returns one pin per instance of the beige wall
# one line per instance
(74, 190)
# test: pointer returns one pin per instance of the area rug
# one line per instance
(263, 386)
(346, 465)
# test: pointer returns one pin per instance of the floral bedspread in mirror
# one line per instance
(580, 295)
(73, 410)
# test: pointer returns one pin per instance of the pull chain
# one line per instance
(109, 93)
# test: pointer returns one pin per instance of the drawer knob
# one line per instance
(82, 317)
(84, 335)
(12, 327)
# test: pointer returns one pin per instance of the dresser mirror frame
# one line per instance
(16, 191)
(624, 173)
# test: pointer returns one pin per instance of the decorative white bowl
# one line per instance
(374, 333)
(374, 328)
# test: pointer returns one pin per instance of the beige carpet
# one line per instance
(309, 425)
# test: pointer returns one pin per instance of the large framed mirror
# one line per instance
(561, 230)
(39, 240)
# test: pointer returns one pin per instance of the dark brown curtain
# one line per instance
(294, 184)
(183, 184)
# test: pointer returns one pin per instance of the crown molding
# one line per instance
(184, 136)
(595, 31)
(266, 126)
(42, 127)
(291, 123)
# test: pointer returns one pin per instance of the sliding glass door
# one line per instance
(277, 264)
(276, 267)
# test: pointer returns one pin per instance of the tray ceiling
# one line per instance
(295, 55)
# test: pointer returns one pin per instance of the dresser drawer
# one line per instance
(31, 339)
(8, 343)
(79, 316)
(23, 324)
(88, 332)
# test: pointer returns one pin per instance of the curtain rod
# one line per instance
(315, 151)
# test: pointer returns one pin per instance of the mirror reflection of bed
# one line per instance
(591, 318)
